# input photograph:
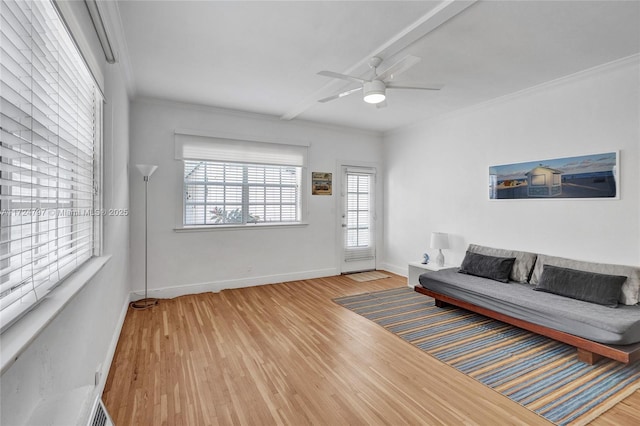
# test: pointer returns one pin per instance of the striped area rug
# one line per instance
(541, 374)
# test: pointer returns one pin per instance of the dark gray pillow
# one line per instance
(582, 285)
(481, 265)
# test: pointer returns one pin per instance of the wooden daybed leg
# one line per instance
(588, 357)
(441, 304)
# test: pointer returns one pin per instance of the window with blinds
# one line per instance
(219, 193)
(240, 182)
(49, 111)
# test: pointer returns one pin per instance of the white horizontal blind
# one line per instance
(218, 193)
(358, 244)
(238, 151)
(48, 128)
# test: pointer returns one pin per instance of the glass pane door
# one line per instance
(357, 219)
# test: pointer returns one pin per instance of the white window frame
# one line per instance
(197, 145)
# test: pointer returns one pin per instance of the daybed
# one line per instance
(608, 324)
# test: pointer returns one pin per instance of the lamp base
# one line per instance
(144, 303)
(440, 258)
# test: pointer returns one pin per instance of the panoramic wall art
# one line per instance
(585, 176)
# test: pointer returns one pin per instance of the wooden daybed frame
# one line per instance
(588, 350)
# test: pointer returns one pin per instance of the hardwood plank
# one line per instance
(286, 354)
(624, 413)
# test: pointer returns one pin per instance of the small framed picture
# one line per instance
(320, 183)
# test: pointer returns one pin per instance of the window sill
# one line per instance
(204, 228)
(17, 338)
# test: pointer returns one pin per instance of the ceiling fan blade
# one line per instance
(399, 67)
(341, 76)
(416, 86)
(341, 95)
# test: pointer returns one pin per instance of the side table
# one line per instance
(418, 268)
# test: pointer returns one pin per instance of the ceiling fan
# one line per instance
(374, 90)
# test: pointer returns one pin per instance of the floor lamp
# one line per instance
(146, 170)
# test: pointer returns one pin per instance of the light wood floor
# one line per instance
(286, 354)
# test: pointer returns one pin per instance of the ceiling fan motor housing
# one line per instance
(374, 91)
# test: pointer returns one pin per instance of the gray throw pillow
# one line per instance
(480, 265)
(522, 267)
(630, 294)
(582, 285)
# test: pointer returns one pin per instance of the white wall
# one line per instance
(437, 173)
(191, 262)
(66, 354)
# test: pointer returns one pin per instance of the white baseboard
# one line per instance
(216, 286)
(111, 351)
(68, 408)
(96, 392)
(402, 271)
(75, 407)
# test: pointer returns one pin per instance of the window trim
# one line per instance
(250, 226)
(17, 338)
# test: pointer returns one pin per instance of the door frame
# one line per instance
(377, 213)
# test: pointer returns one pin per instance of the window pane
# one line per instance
(256, 174)
(233, 194)
(215, 194)
(256, 194)
(256, 213)
(195, 193)
(233, 173)
(226, 213)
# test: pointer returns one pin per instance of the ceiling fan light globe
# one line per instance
(374, 98)
(374, 92)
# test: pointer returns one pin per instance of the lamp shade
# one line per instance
(146, 169)
(439, 240)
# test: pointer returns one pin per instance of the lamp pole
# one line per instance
(146, 170)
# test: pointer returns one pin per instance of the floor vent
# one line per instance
(100, 416)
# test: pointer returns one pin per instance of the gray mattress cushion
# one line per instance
(619, 326)
(630, 294)
(521, 268)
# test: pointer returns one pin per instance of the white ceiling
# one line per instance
(264, 56)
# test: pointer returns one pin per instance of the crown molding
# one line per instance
(169, 103)
(586, 73)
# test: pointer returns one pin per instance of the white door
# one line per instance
(358, 219)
